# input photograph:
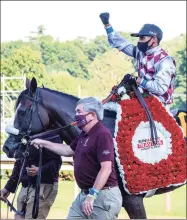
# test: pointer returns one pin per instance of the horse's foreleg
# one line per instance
(134, 206)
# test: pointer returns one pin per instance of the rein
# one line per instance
(51, 131)
(35, 208)
(26, 154)
(140, 98)
(154, 135)
(26, 140)
(114, 91)
(12, 207)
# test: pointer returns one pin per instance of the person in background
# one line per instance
(51, 164)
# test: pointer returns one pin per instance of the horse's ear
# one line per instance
(27, 83)
(33, 85)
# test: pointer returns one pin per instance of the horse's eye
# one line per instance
(21, 113)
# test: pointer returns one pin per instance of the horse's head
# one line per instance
(31, 117)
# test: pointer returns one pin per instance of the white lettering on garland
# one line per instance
(145, 144)
(143, 147)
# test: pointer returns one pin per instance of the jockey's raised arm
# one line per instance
(115, 39)
(156, 69)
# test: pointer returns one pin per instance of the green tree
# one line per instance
(180, 101)
(8, 47)
(41, 29)
(108, 70)
(96, 47)
(65, 65)
(74, 60)
(23, 61)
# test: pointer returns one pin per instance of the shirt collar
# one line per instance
(153, 50)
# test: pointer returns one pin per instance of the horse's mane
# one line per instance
(61, 93)
(24, 92)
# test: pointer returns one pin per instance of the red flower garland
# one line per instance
(143, 176)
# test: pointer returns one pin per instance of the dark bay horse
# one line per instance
(52, 109)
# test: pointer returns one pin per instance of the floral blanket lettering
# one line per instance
(145, 167)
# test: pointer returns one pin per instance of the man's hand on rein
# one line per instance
(32, 171)
(37, 143)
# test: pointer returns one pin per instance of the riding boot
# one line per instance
(134, 206)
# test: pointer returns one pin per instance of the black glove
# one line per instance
(128, 79)
(104, 17)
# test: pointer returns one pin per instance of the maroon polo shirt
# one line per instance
(91, 149)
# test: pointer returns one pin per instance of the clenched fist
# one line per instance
(105, 17)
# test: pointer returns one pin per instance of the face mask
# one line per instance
(81, 121)
(143, 46)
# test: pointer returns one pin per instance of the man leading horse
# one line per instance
(94, 169)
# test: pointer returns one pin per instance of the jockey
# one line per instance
(156, 69)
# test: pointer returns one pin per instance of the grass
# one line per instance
(155, 206)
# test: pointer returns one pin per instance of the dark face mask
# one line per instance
(143, 46)
(81, 120)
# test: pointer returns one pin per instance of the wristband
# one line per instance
(109, 29)
(93, 192)
(143, 83)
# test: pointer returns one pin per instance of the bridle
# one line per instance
(26, 138)
(26, 141)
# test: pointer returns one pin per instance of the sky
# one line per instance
(66, 20)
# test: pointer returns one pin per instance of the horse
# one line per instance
(51, 110)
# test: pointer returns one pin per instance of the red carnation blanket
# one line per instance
(143, 166)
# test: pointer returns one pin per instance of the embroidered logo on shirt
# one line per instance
(105, 152)
(85, 144)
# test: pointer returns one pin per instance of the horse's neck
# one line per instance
(58, 102)
(62, 108)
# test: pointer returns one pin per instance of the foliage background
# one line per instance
(90, 64)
